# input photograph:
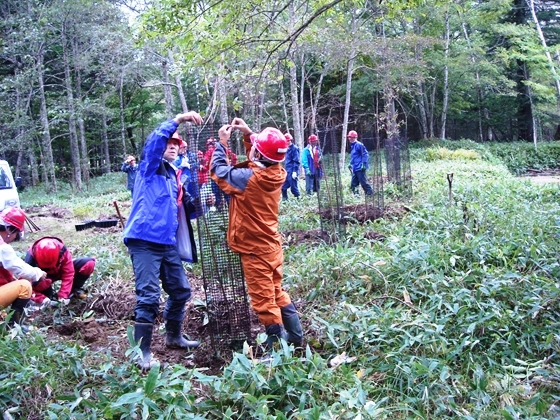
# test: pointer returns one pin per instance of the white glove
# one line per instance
(294, 175)
(65, 302)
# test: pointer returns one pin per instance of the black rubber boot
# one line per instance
(143, 334)
(174, 338)
(292, 324)
(18, 314)
(275, 332)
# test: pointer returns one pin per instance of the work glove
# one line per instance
(308, 172)
(64, 302)
(294, 175)
(363, 168)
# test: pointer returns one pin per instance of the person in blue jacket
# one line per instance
(130, 167)
(359, 163)
(311, 160)
(291, 165)
(150, 235)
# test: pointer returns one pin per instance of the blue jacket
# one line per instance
(130, 174)
(154, 216)
(358, 156)
(291, 164)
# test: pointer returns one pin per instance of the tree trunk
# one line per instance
(48, 162)
(179, 85)
(347, 101)
(483, 114)
(423, 118)
(169, 105)
(445, 77)
(81, 128)
(222, 92)
(298, 131)
(545, 47)
(121, 113)
(105, 140)
(296, 117)
(74, 149)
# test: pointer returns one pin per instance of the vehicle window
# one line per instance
(4, 180)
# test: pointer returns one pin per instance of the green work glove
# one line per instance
(363, 168)
(308, 172)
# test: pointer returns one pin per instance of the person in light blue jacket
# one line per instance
(359, 163)
(150, 235)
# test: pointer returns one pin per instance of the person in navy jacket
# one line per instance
(359, 162)
(291, 164)
(150, 235)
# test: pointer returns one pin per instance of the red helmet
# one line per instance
(177, 137)
(352, 134)
(288, 136)
(12, 216)
(312, 137)
(47, 252)
(271, 143)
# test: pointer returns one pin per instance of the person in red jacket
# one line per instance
(51, 255)
(255, 188)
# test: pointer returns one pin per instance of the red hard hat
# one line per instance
(353, 134)
(312, 137)
(12, 216)
(271, 143)
(176, 137)
(47, 252)
(288, 136)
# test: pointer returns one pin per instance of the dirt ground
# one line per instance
(101, 322)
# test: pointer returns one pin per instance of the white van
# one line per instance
(8, 190)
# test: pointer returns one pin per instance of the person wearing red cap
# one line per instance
(255, 188)
(291, 164)
(51, 255)
(311, 158)
(150, 235)
(359, 162)
(16, 275)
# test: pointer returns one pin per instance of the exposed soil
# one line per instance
(104, 320)
(542, 177)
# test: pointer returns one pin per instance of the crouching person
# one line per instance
(51, 255)
(255, 188)
(150, 235)
(14, 293)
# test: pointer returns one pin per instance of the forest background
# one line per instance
(83, 82)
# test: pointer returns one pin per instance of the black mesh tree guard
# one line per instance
(227, 304)
(330, 196)
(397, 161)
(376, 179)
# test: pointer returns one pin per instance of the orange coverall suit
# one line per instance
(255, 193)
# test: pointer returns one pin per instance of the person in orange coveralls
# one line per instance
(255, 188)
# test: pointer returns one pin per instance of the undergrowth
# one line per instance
(455, 314)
